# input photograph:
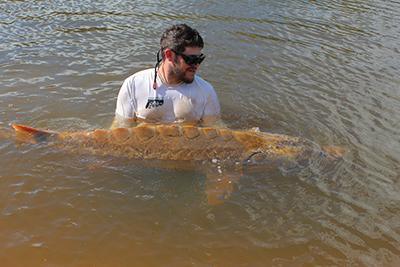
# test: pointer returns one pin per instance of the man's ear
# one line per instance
(169, 55)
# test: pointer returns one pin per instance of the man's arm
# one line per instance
(125, 110)
(121, 122)
(212, 112)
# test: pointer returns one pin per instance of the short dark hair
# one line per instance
(180, 36)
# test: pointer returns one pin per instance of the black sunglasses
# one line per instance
(191, 59)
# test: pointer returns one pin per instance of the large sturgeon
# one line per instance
(180, 143)
(189, 144)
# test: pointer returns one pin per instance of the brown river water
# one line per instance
(327, 71)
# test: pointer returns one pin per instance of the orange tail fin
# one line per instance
(31, 134)
(335, 152)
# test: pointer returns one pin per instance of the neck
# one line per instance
(167, 76)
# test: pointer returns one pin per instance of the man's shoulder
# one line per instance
(203, 84)
(141, 74)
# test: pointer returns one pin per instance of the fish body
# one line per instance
(223, 153)
(178, 143)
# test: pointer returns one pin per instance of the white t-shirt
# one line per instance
(186, 102)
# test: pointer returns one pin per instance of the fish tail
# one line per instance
(36, 135)
(334, 152)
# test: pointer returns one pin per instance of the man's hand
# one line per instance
(213, 121)
(120, 122)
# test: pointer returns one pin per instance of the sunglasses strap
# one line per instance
(156, 68)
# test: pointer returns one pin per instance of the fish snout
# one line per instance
(256, 158)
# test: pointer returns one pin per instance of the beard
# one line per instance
(183, 75)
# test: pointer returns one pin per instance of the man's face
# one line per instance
(181, 69)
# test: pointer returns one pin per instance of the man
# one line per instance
(171, 92)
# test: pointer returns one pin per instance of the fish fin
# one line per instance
(334, 152)
(220, 186)
(34, 135)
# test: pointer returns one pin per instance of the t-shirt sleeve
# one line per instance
(126, 107)
(212, 107)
